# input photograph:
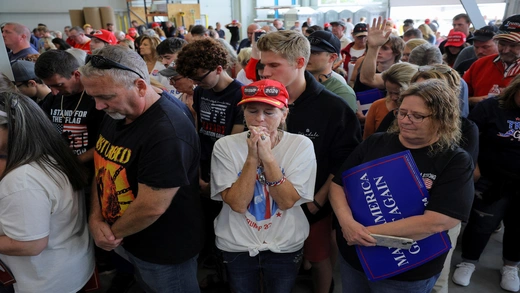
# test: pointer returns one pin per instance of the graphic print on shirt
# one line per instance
(114, 192)
(213, 118)
(514, 130)
(262, 206)
(73, 127)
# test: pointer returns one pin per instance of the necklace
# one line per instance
(77, 105)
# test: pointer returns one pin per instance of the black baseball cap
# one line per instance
(360, 28)
(324, 41)
(484, 33)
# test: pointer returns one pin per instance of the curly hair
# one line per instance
(442, 102)
(205, 54)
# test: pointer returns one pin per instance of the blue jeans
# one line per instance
(353, 280)
(171, 278)
(279, 271)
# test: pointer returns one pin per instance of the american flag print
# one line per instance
(76, 135)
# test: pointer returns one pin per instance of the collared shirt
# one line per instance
(509, 70)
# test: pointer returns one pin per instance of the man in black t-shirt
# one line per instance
(233, 28)
(70, 109)
(146, 174)
(216, 97)
(215, 103)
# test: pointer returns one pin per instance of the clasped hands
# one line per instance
(259, 143)
(103, 235)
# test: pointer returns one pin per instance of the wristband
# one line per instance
(276, 183)
(317, 204)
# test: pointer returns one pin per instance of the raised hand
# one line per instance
(377, 36)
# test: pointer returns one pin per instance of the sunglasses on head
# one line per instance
(441, 69)
(102, 62)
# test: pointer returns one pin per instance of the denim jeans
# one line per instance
(171, 278)
(279, 271)
(353, 280)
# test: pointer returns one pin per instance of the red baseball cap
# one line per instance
(155, 24)
(265, 91)
(455, 39)
(105, 36)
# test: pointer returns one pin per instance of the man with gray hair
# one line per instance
(146, 174)
(17, 39)
(81, 41)
(428, 54)
(246, 43)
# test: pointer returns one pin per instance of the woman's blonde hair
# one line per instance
(426, 31)
(412, 43)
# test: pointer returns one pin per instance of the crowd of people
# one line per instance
(160, 150)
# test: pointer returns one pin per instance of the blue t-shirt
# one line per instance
(21, 54)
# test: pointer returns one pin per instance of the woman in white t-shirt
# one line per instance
(263, 176)
(44, 238)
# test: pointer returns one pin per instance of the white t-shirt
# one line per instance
(33, 206)
(353, 53)
(241, 76)
(264, 226)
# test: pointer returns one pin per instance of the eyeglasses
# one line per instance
(173, 79)
(317, 41)
(441, 69)
(200, 79)
(414, 117)
(101, 62)
(19, 84)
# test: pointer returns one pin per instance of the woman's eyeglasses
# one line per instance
(414, 117)
(174, 79)
(101, 62)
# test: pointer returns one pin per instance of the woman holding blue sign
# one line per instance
(427, 129)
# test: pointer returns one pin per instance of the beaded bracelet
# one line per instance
(276, 183)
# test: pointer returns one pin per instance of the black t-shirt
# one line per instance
(159, 149)
(332, 126)
(451, 192)
(217, 112)
(464, 66)
(499, 137)
(233, 30)
(76, 119)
